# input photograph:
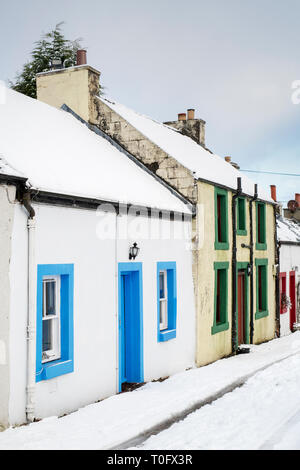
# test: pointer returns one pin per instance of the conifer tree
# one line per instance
(51, 46)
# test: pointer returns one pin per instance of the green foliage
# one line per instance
(52, 45)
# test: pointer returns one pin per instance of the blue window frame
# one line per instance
(166, 301)
(54, 328)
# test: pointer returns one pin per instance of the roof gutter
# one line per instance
(228, 188)
(65, 200)
(288, 243)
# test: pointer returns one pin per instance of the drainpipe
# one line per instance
(234, 260)
(31, 319)
(277, 264)
(253, 199)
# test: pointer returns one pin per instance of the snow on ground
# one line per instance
(250, 417)
(111, 422)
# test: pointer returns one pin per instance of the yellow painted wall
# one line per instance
(264, 328)
(67, 86)
(212, 347)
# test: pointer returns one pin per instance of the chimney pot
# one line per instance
(190, 114)
(228, 159)
(81, 57)
(273, 192)
(182, 117)
(297, 198)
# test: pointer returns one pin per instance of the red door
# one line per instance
(293, 299)
(241, 307)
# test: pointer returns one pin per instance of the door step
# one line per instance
(243, 350)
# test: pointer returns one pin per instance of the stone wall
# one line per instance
(193, 128)
(158, 161)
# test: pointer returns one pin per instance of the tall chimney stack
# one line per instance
(190, 114)
(273, 192)
(81, 57)
(75, 87)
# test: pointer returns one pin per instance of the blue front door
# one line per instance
(130, 324)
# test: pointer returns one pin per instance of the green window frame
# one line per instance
(241, 216)
(261, 234)
(221, 219)
(261, 288)
(220, 298)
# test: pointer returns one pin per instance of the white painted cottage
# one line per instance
(288, 232)
(95, 293)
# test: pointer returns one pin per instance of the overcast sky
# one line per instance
(234, 61)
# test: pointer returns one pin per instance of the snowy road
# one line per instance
(262, 414)
(249, 417)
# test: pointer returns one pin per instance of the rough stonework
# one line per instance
(158, 161)
(193, 128)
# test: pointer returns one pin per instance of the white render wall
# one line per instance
(67, 235)
(7, 196)
(289, 258)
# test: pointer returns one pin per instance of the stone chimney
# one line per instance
(235, 165)
(293, 208)
(74, 86)
(188, 125)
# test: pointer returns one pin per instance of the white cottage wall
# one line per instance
(65, 235)
(7, 197)
(162, 359)
(69, 235)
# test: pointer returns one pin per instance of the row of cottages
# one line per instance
(235, 258)
(289, 241)
(95, 267)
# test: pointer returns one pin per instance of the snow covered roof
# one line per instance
(6, 169)
(59, 154)
(206, 166)
(288, 230)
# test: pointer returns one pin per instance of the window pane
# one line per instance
(50, 297)
(218, 302)
(241, 215)
(262, 285)
(161, 285)
(221, 296)
(261, 223)
(163, 314)
(47, 335)
(220, 220)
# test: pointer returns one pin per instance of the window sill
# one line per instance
(259, 315)
(166, 335)
(50, 370)
(221, 246)
(218, 328)
(241, 232)
(261, 246)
